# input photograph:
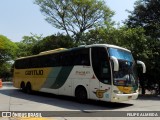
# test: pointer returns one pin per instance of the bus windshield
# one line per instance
(127, 74)
(121, 54)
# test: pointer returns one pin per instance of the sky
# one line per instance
(20, 18)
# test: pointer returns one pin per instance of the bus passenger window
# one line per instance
(81, 57)
(100, 64)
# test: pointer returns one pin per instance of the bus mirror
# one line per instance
(143, 65)
(115, 62)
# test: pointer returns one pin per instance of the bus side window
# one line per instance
(81, 57)
(77, 59)
(100, 64)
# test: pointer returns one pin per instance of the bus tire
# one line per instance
(23, 88)
(81, 94)
(28, 88)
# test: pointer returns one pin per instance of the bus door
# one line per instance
(100, 83)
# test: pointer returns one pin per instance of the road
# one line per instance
(12, 99)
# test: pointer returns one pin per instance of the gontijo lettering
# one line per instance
(34, 72)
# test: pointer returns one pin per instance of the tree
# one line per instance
(8, 51)
(52, 42)
(25, 46)
(100, 36)
(131, 38)
(146, 14)
(75, 16)
(5, 71)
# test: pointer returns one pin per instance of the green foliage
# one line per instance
(5, 71)
(8, 51)
(75, 16)
(52, 42)
(147, 15)
(131, 38)
(27, 43)
(135, 40)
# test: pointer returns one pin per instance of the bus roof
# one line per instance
(107, 45)
(72, 49)
(52, 51)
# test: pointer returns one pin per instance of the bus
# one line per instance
(99, 72)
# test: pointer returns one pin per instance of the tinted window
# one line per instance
(69, 58)
(81, 57)
(101, 65)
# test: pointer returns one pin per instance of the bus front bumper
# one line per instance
(124, 97)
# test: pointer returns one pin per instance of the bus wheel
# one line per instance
(81, 94)
(29, 88)
(23, 86)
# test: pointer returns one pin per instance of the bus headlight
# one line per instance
(117, 91)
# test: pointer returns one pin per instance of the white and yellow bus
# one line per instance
(99, 72)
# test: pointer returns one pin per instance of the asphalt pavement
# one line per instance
(54, 107)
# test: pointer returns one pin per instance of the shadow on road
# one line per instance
(149, 97)
(62, 101)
